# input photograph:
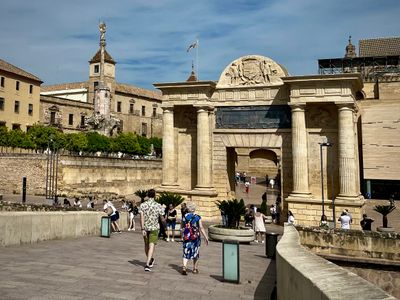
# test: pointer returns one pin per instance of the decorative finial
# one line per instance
(350, 50)
(102, 28)
(192, 66)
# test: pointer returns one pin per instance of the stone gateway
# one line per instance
(257, 110)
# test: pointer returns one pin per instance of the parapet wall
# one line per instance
(302, 275)
(31, 227)
(351, 243)
(78, 175)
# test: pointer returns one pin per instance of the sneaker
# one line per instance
(184, 271)
(147, 268)
(167, 239)
(129, 229)
(255, 241)
(151, 264)
(119, 231)
(262, 242)
(172, 240)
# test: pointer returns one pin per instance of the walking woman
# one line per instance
(193, 227)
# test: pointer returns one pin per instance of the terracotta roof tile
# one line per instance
(130, 89)
(379, 47)
(65, 86)
(5, 66)
(107, 58)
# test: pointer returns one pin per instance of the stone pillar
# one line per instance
(299, 152)
(203, 149)
(347, 157)
(168, 148)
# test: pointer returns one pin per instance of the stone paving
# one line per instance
(112, 268)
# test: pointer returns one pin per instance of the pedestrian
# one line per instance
(237, 178)
(171, 223)
(366, 222)
(77, 203)
(162, 233)
(247, 186)
(259, 226)
(272, 183)
(291, 219)
(192, 238)
(150, 212)
(113, 213)
(349, 214)
(344, 220)
(324, 222)
(90, 203)
(67, 203)
(132, 212)
(272, 210)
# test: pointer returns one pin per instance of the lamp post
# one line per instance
(321, 145)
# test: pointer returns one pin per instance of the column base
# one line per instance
(357, 201)
(299, 197)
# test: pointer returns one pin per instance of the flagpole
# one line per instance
(197, 58)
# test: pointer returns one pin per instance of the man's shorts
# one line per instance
(115, 216)
(171, 224)
(151, 237)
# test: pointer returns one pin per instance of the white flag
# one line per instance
(192, 46)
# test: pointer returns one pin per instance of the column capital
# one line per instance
(169, 108)
(205, 107)
(345, 106)
(297, 106)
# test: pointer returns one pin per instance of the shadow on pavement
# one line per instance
(136, 262)
(266, 288)
(176, 268)
(217, 277)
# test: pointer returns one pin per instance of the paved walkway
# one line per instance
(102, 268)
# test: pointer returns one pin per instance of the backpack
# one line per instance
(191, 231)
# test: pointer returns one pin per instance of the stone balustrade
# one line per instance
(304, 275)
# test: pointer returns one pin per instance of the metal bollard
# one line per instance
(230, 261)
(105, 228)
(271, 240)
(23, 189)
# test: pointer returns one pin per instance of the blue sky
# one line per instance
(148, 39)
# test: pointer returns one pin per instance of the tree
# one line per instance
(144, 145)
(384, 210)
(45, 136)
(3, 136)
(16, 138)
(97, 142)
(126, 143)
(141, 194)
(76, 142)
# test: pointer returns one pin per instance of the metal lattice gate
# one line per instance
(51, 174)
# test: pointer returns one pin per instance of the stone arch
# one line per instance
(252, 140)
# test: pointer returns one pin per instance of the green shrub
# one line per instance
(233, 210)
(167, 198)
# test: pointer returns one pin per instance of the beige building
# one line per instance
(378, 62)
(19, 97)
(280, 122)
(138, 109)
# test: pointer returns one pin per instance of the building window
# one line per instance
(131, 108)
(119, 106)
(143, 110)
(154, 112)
(71, 119)
(96, 69)
(95, 85)
(16, 127)
(1, 103)
(52, 117)
(82, 121)
(16, 107)
(2, 81)
(144, 129)
(2, 124)
(30, 89)
(17, 85)
(30, 109)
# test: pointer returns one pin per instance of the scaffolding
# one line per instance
(385, 68)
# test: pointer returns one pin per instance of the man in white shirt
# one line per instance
(345, 220)
(113, 213)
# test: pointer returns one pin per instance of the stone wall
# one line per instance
(78, 175)
(31, 227)
(352, 243)
(303, 275)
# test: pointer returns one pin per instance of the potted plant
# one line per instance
(231, 210)
(167, 198)
(384, 210)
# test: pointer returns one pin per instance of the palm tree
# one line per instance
(167, 198)
(233, 210)
(141, 194)
(384, 210)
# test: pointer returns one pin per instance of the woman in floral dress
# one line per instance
(192, 227)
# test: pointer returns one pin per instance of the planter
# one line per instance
(242, 235)
(385, 229)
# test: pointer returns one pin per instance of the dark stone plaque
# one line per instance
(254, 117)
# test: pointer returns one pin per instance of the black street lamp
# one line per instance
(321, 145)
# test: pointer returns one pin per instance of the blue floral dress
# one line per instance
(191, 248)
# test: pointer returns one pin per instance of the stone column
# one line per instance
(203, 149)
(168, 148)
(347, 157)
(299, 151)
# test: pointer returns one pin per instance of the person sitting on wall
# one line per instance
(77, 202)
(67, 203)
